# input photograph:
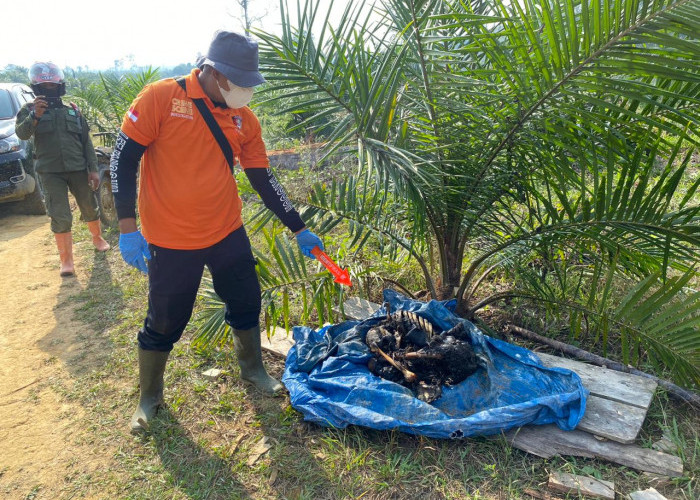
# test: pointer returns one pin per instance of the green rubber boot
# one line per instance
(151, 370)
(248, 350)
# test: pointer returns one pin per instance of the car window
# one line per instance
(7, 110)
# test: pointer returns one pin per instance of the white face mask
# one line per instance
(236, 97)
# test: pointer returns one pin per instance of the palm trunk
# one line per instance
(451, 258)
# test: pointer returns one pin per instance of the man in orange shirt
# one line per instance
(190, 210)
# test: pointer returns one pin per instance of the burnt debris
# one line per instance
(410, 351)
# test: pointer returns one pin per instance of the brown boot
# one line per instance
(96, 230)
(64, 242)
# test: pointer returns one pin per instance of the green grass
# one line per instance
(202, 444)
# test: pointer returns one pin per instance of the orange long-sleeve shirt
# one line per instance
(188, 198)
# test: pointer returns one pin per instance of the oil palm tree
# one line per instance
(105, 102)
(551, 142)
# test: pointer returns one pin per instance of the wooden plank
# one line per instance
(359, 309)
(583, 485)
(612, 419)
(648, 494)
(610, 384)
(547, 441)
(279, 342)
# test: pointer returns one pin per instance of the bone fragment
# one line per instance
(421, 355)
(407, 374)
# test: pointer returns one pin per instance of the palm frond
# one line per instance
(506, 132)
(666, 320)
(105, 103)
(287, 281)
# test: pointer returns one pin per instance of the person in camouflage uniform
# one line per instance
(65, 159)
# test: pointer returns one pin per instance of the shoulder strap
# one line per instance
(211, 123)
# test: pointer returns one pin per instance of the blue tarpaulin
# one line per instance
(329, 383)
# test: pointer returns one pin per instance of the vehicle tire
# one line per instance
(33, 204)
(108, 212)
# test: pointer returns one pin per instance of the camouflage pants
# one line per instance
(56, 186)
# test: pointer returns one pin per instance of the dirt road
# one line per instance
(43, 349)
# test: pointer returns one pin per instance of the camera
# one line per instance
(53, 102)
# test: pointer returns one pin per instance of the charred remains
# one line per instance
(409, 351)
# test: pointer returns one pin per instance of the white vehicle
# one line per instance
(18, 181)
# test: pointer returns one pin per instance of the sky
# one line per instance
(93, 35)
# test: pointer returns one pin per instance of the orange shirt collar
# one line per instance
(195, 91)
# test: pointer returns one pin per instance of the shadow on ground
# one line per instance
(83, 313)
(192, 469)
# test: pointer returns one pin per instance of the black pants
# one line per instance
(173, 280)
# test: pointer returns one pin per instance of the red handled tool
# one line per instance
(342, 276)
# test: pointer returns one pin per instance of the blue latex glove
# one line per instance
(134, 249)
(307, 241)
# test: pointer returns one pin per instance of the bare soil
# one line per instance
(43, 349)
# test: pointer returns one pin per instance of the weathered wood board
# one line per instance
(586, 486)
(618, 402)
(357, 308)
(648, 494)
(279, 342)
(547, 441)
(612, 419)
(617, 386)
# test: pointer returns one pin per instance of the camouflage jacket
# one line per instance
(62, 140)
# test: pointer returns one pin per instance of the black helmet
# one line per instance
(46, 72)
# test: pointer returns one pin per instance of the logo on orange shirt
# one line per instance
(182, 108)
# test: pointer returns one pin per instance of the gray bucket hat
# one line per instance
(235, 56)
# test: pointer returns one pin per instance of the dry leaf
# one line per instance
(236, 443)
(263, 446)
